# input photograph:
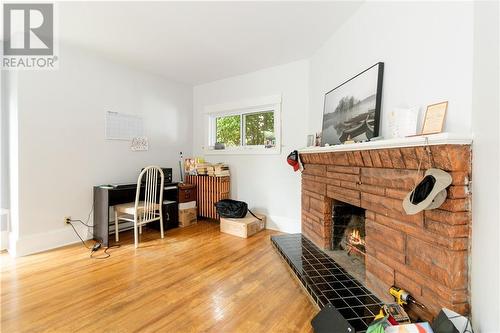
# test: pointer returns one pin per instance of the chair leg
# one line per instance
(136, 236)
(117, 237)
(161, 223)
(140, 230)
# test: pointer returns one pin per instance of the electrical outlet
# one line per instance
(67, 219)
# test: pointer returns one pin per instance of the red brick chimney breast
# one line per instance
(427, 253)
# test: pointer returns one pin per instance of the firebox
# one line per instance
(347, 246)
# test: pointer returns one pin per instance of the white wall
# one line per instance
(426, 48)
(5, 99)
(4, 140)
(485, 274)
(10, 202)
(266, 182)
(62, 150)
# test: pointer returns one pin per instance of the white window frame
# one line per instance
(242, 108)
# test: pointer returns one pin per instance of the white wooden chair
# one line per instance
(147, 210)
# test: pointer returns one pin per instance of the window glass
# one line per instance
(228, 129)
(259, 129)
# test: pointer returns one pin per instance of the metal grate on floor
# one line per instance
(327, 282)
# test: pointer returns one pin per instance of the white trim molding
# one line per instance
(414, 141)
(283, 224)
(4, 228)
(31, 244)
(227, 108)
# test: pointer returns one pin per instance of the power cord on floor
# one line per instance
(105, 253)
(97, 244)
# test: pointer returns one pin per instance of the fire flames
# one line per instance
(355, 243)
(355, 238)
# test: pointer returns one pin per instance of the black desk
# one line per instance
(105, 197)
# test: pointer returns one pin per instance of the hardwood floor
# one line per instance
(194, 280)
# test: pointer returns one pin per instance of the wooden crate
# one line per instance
(244, 227)
(209, 190)
(187, 217)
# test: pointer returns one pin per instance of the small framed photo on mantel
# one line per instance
(434, 118)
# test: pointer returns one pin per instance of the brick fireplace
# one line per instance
(427, 253)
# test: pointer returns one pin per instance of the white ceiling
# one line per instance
(197, 42)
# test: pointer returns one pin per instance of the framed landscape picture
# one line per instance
(352, 110)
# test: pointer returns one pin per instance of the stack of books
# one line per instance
(219, 170)
(203, 168)
(198, 166)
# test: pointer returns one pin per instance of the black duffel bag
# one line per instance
(233, 209)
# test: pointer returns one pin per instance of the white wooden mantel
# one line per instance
(414, 141)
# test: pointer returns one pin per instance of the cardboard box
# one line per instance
(187, 216)
(186, 205)
(244, 227)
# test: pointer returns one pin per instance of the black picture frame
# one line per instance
(354, 117)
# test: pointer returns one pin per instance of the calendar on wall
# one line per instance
(120, 126)
(139, 144)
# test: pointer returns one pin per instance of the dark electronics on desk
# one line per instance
(167, 174)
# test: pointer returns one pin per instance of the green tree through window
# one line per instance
(228, 130)
(257, 126)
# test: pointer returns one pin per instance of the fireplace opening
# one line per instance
(347, 246)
